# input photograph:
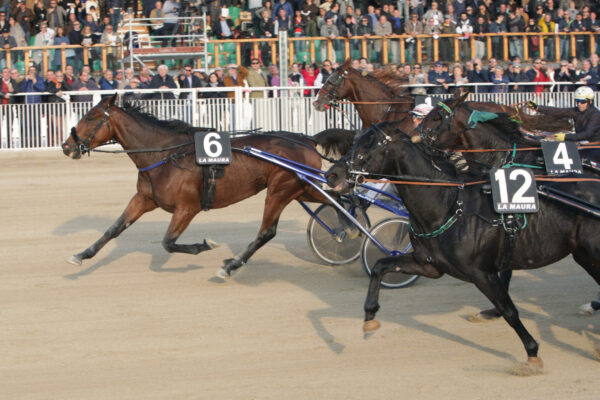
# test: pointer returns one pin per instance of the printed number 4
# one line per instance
(518, 197)
(212, 141)
(561, 156)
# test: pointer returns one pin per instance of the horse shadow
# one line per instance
(343, 288)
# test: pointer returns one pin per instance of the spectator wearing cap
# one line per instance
(235, 77)
(162, 80)
(413, 28)
(439, 77)
(515, 74)
(447, 43)
(6, 42)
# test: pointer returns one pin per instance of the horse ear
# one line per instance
(346, 63)
(112, 99)
(459, 98)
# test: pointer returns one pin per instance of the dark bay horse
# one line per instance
(170, 179)
(457, 232)
(458, 125)
(374, 100)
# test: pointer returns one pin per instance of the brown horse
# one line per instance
(170, 179)
(374, 100)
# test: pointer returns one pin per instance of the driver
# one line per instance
(585, 116)
(419, 113)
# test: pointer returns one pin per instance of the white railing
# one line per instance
(47, 125)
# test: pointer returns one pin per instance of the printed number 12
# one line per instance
(518, 197)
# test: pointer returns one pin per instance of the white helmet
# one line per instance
(421, 110)
(584, 93)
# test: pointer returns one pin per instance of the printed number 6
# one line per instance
(212, 141)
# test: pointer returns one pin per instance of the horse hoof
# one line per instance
(75, 260)
(222, 274)
(533, 366)
(586, 309)
(371, 326)
(211, 244)
(352, 233)
(595, 342)
(484, 316)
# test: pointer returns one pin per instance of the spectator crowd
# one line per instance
(53, 22)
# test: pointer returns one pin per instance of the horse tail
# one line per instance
(334, 141)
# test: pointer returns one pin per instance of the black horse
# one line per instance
(476, 137)
(457, 232)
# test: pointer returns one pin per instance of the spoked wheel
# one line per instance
(393, 234)
(335, 247)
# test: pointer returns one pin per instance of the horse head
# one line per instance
(91, 131)
(441, 128)
(369, 152)
(335, 88)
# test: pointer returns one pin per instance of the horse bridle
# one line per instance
(83, 145)
(335, 80)
(381, 144)
(428, 134)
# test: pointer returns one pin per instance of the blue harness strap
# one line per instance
(148, 168)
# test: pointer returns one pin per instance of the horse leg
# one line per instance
(179, 222)
(400, 264)
(591, 263)
(493, 313)
(137, 206)
(274, 205)
(490, 285)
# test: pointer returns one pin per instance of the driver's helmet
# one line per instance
(584, 93)
(421, 110)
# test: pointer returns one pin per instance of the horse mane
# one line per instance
(174, 126)
(508, 128)
(334, 141)
(546, 122)
(392, 79)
